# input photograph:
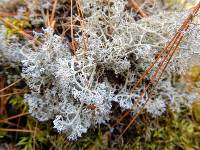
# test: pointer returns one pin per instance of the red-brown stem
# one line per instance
(10, 85)
(13, 117)
(17, 130)
(137, 8)
(72, 29)
(52, 20)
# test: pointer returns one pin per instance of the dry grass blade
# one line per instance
(136, 7)
(10, 94)
(72, 30)
(2, 99)
(13, 117)
(17, 130)
(12, 124)
(5, 14)
(10, 85)
(52, 19)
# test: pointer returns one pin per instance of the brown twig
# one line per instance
(10, 94)
(2, 99)
(13, 117)
(6, 14)
(52, 19)
(136, 7)
(17, 130)
(10, 85)
(11, 124)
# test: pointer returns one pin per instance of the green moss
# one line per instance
(179, 4)
(195, 73)
(196, 111)
(20, 25)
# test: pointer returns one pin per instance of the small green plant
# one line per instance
(20, 25)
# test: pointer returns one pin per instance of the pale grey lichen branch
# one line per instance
(78, 93)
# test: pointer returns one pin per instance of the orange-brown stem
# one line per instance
(13, 117)
(136, 7)
(17, 130)
(52, 20)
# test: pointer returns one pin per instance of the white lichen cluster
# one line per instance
(77, 91)
(63, 89)
(10, 47)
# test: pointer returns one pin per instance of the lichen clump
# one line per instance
(77, 91)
